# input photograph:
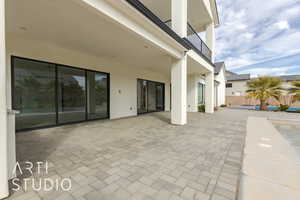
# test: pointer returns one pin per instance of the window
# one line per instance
(48, 94)
(228, 85)
(201, 94)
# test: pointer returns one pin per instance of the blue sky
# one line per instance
(261, 37)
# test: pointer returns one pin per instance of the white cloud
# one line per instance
(275, 71)
(282, 25)
(255, 31)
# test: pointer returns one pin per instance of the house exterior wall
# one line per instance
(192, 92)
(123, 79)
(221, 87)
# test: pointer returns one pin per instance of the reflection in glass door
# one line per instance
(160, 97)
(142, 96)
(97, 89)
(71, 95)
(150, 96)
(33, 93)
(48, 94)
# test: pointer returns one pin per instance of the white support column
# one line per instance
(210, 39)
(179, 94)
(192, 93)
(209, 93)
(179, 17)
(3, 108)
(179, 67)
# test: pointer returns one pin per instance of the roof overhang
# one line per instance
(215, 12)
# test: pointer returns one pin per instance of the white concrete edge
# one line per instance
(271, 167)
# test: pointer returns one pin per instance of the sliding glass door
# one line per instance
(160, 103)
(71, 95)
(150, 97)
(97, 84)
(201, 94)
(34, 93)
(48, 94)
(142, 96)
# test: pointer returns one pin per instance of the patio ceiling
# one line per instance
(70, 25)
(198, 16)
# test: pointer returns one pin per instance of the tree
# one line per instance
(295, 90)
(264, 88)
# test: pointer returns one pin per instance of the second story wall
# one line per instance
(238, 88)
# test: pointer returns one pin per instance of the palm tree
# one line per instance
(264, 88)
(295, 90)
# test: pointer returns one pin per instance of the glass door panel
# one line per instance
(33, 93)
(142, 96)
(201, 94)
(97, 84)
(159, 97)
(71, 95)
(151, 96)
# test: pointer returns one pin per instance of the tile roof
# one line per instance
(237, 77)
(218, 67)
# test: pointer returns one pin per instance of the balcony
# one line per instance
(197, 43)
(192, 41)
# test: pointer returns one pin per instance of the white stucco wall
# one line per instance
(221, 87)
(192, 97)
(192, 92)
(122, 77)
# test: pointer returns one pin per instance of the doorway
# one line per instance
(150, 96)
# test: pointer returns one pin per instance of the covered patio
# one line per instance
(141, 157)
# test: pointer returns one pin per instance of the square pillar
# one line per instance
(192, 93)
(179, 91)
(3, 108)
(210, 39)
(179, 17)
(209, 93)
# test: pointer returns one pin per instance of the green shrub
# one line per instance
(223, 105)
(201, 108)
(283, 107)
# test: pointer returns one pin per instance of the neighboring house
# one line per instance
(64, 62)
(236, 84)
(236, 87)
(287, 79)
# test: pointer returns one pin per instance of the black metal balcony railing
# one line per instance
(193, 40)
(198, 45)
(156, 20)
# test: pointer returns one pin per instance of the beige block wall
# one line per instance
(242, 100)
